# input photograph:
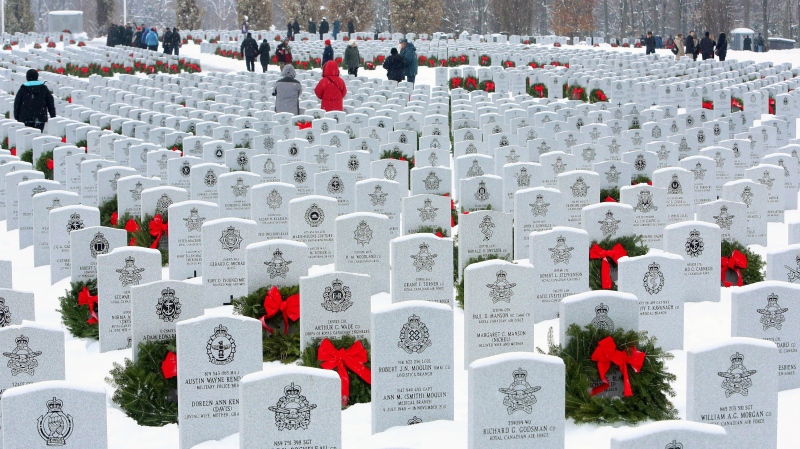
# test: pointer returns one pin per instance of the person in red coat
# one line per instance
(331, 88)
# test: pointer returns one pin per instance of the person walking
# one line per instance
(327, 53)
(127, 37)
(650, 43)
(692, 45)
(337, 28)
(177, 41)
(679, 46)
(33, 102)
(409, 53)
(283, 54)
(352, 58)
(166, 41)
(394, 65)
(112, 36)
(137, 38)
(331, 88)
(287, 92)
(289, 30)
(152, 40)
(295, 29)
(263, 55)
(249, 50)
(707, 47)
(748, 44)
(245, 26)
(324, 27)
(145, 32)
(722, 46)
(760, 43)
(312, 27)
(350, 29)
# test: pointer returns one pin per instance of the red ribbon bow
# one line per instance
(539, 88)
(439, 234)
(274, 303)
(158, 228)
(13, 151)
(735, 262)
(169, 366)
(601, 96)
(114, 219)
(49, 164)
(341, 360)
(606, 354)
(85, 298)
(596, 252)
(576, 93)
(132, 227)
(303, 125)
(609, 199)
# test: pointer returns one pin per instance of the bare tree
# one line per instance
(416, 16)
(361, 12)
(513, 16)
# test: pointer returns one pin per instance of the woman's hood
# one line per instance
(288, 70)
(331, 69)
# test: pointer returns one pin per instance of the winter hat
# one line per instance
(394, 51)
(403, 41)
(327, 41)
(31, 75)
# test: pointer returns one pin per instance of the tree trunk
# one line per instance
(622, 28)
(747, 13)
(679, 16)
(605, 19)
(765, 21)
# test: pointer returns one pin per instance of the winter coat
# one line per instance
(350, 27)
(249, 48)
(166, 39)
(324, 27)
(245, 27)
(722, 47)
(748, 44)
(152, 39)
(331, 88)
(177, 41)
(337, 27)
(284, 53)
(690, 43)
(352, 58)
(312, 27)
(394, 67)
(127, 36)
(33, 103)
(409, 55)
(296, 27)
(707, 47)
(112, 34)
(287, 92)
(137, 39)
(650, 45)
(327, 55)
(263, 52)
(679, 44)
(289, 30)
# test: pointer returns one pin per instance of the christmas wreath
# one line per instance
(147, 390)
(79, 309)
(508, 64)
(538, 90)
(459, 283)
(487, 86)
(739, 266)
(574, 92)
(456, 82)
(439, 232)
(471, 83)
(612, 194)
(597, 95)
(108, 213)
(736, 104)
(27, 156)
(45, 164)
(350, 358)
(148, 233)
(603, 259)
(453, 212)
(592, 354)
(279, 313)
(771, 105)
(708, 104)
(485, 61)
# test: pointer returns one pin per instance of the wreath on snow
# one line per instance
(45, 164)
(603, 257)
(592, 355)
(78, 309)
(147, 390)
(538, 90)
(148, 233)
(280, 329)
(323, 353)
(739, 265)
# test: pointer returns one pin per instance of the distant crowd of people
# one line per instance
(706, 47)
(293, 28)
(144, 37)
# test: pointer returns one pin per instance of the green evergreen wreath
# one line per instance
(613, 192)
(360, 391)
(651, 385)
(107, 209)
(142, 237)
(41, 164)
(277, 345)
(431, 230)
(74, 316)
(755, 264)
(535, 88)
(27, 156)
(460, 282)
(141, 390)
(633, 246)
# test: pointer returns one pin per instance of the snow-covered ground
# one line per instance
(704, 322)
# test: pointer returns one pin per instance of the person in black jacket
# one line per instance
(691, 45)
(707, 47)
(33, 102)
(722, 46)
(127, 37)
(312, 27)
(650, 43)
(748, 44)
(177, 41)
(137, 38)
(327, 53)
(295, 28)
(263, 54)
(350, 29)
(394, 65)
(289, 30)
(324, 27)
(166, 40)
(249, 50)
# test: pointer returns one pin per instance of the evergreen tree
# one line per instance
(417, 16)
(361, 12)
(303, 10)
(189, 16)
(258, 12)
(104, 14)
(19, 18)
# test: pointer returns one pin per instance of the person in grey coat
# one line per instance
(409, 53)
(352, 59)
(287, 92)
